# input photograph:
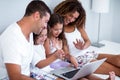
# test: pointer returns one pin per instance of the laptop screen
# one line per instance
(70, 74)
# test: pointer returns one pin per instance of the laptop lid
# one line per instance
(70, 73)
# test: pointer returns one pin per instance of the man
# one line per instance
(16, 44)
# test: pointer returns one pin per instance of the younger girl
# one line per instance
(56, 40)
(39, 41)
(39, 49)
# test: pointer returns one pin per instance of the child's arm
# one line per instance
(69, 57)
(47, 47)
(56, 55)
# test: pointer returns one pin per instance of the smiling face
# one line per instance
(56, 30)
(40, 23)
(70, 17)
(42, 37)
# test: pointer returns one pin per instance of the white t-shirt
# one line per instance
(39, 49)
(71, 37)
(15, 49)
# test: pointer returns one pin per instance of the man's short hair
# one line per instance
(37, 5)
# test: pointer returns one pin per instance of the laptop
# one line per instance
(71, 73)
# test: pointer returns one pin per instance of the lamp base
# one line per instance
(99, 45)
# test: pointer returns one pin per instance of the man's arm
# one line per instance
(14, 72)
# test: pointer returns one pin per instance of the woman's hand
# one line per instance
(79, 44)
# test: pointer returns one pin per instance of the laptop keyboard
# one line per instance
(70, 74)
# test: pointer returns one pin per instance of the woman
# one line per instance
(74, 24)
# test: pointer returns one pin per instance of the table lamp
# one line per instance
(99, 6)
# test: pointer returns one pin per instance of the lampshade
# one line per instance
(100, 6)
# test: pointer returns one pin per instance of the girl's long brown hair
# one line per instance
(54, 19)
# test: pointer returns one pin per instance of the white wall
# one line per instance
(13, 10)
(116, 21)
(110, 24)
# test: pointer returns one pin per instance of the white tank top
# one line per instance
(71, 37)
(52, 48)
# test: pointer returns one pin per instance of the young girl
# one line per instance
(56, 41)
(39, 49)
(39, 41)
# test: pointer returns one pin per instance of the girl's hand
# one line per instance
(79, 44)
(74, 61)
(60, 54)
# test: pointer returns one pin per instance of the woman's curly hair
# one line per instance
(69, 6)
